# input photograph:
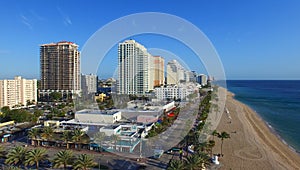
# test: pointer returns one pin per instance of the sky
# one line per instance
(254, 39)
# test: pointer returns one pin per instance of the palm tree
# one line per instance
(2, 152)
(16, 156)
(197, 161)
(115, 138)
(204, 159)
(35, 156)
(176, 165)
(222, 136)
(12, 168)
(193, 162)
(84, 162)
(33, 134)
(99, 137)
(64, 158)
(211, 144)
(66, 137)
(201, 146)
(215, 133)
(77, 136)
(47, 132)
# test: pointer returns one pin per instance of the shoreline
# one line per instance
(272, 130)
(253, 143)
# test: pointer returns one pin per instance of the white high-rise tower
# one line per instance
(133, 68)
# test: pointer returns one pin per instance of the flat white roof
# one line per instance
(103, 112)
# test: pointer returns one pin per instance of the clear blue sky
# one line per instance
(255, 39)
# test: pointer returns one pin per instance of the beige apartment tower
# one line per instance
(18, 92)
(158, 71)
(60, 68)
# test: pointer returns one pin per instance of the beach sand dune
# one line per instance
(252, 144)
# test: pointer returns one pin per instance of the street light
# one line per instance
(99, 161)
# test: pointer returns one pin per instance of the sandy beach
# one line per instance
(252, 144)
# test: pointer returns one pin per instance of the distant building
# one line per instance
(89, 83)
(175, 73)
(97, 116)
(171, 92)
(202, 79)
(158, 71)
(18, 91)
(60, 68)
(133, 68)
(181, 91)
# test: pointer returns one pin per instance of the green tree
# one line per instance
(84, 162)
(5, 109)
(211, 144)
(77, 137)
(16, 156)
(12, 168)
(33, 157)
(64, 158)
(197, 161)
(115, 138)
(176, 165)
(200, 147)
(66, 137)
(55, 96)
(47, 133)
(36, 115)
(222, 136)
(99, 137)
(34, 135)
(215, 133)
(2, 152)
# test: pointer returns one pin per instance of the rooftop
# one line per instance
(103, 112)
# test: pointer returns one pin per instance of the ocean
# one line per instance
(276, 101)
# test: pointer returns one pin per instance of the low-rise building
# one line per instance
(97, 116)
(170, 92)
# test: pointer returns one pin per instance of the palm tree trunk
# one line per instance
(222, 148)
(65, 166)
(37, 165)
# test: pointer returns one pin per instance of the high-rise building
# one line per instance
(89, 83)
(133, 68)
(202, 79)
(175, 72)
(158, 71)
(18, 91)
(60, 68)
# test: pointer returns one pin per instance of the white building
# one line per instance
(18, 91)
(176, 73)
(133, 68)
(175, 92)
(170, 92)
(97, 116)
(89, 83)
